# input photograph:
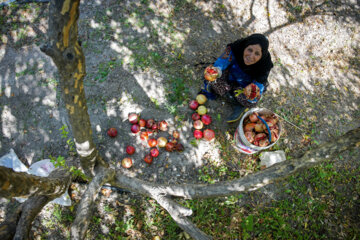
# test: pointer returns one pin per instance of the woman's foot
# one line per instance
(236, 114)
(207, 91)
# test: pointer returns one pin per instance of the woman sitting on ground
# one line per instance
(240, 74)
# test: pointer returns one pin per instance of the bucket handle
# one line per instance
(267, 126)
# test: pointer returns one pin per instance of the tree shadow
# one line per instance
(148, 58)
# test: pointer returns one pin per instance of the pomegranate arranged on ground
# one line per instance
(133, 118)
(193, 104)
(198, 134)
(154, 152)
(150, 127)
(130, 150)
(112, 132)
(152, 142)
(201, 118)
(256, 131)
(148, 158)
(126, 162)
(209, 134)
(135, 128)
(162, 141)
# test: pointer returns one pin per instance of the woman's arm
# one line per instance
(225, 60)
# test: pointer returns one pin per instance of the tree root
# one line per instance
(30, 210)
(83, 213)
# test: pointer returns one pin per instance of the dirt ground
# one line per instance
(148, 57)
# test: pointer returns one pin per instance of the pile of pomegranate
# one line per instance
(147, 130)
(256, 131)
(201, 119)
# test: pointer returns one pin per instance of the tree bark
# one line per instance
(64, 49)
(39, 190)
(30, 209)
(84, 210)
(16, 184)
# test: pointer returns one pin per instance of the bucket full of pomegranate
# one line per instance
(259, 129)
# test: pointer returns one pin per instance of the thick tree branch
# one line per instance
(83, 213)
(40, 191)
(30, 209)
(179, 213)
(8, 227)
(17, 184)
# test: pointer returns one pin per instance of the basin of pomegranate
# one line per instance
(252, 135)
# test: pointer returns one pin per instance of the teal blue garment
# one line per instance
(237, 76)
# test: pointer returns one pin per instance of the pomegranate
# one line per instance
(274, 135)
(193, 104)
(135, 128)
(152, 142)
(201, 98)
(154, 127)
(211, 73)
(163, 125)
(273, 119)
(206, 119)
(126, 163)
(263, 142)
(253, 117)
(249, 127)
(130, 150)
(259, 127)
(195, 116)
(260, 136)
(198, 124)
(201, 110)
(169, 147)
(198, 134)
(112, 132)
(149, 123)
(144, 135)
(148, 158)
(142, 123)
(209, 134)
(154, 152)
(162, 141)
(133, 118)
(176, 134)
(250, 136)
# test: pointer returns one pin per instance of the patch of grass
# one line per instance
(315, 204)
(178, 91)
(104, 69)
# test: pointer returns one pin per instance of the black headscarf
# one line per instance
(259, 70)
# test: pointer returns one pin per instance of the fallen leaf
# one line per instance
(106, 192)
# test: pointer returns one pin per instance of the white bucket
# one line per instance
(241, 143)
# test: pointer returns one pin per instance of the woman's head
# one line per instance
(255, 47)
(252, 54)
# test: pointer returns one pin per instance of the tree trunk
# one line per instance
(63, 47)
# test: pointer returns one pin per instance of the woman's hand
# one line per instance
(211, 73)
(252, 91)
